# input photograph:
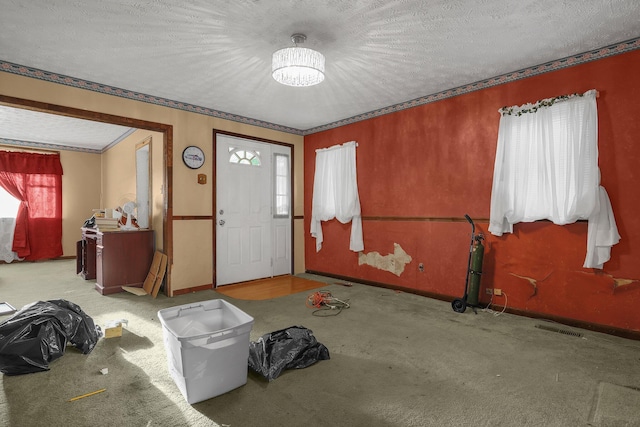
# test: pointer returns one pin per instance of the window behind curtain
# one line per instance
(547, 168)
(8, 204)
(36, 181)
(8, 211)
(335, 193)
(546, 163)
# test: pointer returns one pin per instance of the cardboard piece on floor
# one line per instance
(113, 328)
(153, 272)
(158, 281)
(150, 280)
(134, 290)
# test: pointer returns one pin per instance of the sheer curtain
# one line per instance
(546, 167)
(335, 193)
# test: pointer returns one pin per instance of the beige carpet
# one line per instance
(396, 360)
(616, 406)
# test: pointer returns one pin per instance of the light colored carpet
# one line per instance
(616, 406)
(396, 360)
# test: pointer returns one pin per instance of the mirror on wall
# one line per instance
(143, 183)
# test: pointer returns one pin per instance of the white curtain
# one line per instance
(546, 167)
(7, 227)
(335, 193)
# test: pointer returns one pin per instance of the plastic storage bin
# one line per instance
(207, 345)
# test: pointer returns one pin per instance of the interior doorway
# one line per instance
(253, 204)
(167, 147)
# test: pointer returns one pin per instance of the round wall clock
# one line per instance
(193, 157)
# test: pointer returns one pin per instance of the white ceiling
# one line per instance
(43, 129)
(379, 53)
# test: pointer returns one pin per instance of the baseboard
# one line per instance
(44, 260)
(193, 289)
(596, 327)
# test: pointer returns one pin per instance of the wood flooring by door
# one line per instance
(263, 289)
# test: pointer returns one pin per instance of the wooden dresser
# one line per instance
(122, 258)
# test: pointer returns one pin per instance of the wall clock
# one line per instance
(193, 157)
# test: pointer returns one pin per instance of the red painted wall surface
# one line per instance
(436, 161)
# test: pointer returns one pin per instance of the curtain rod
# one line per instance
(532, 107)
(23, 148)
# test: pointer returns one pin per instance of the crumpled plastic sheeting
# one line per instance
(38, 334)
(292, 348)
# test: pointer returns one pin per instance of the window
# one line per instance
(546, 167)
(244, 157)
(8, 204)
(8, 211)
(335, 193)
(282, 186)
(36, 181)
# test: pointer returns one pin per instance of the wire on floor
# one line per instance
(496, 313)
(326, 304)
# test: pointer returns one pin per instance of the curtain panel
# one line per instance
(30, 163)
(546, 167)
(335, 193)
(36, 181)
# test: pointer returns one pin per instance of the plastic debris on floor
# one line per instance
(292, 348)
(39, 332)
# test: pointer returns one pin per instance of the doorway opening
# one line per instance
(167, 147)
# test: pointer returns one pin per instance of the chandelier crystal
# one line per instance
(298, 66)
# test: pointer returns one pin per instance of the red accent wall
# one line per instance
(436, 161)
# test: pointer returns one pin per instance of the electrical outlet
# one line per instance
(489, 291)
(497, 291)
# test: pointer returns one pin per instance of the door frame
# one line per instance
(215, 193)
(167, 150)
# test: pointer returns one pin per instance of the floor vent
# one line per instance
(558, 330)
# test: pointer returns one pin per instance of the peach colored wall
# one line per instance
(119, 176)
(80, 194)
(189, 197)
(119, 172)
(436, 161)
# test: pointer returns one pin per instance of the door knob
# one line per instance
(221, 222)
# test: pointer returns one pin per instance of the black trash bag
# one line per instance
(38, 334)
(292, 348)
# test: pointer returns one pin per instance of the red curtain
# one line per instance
(36, 181)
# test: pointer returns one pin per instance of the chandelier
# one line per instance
(298, 66)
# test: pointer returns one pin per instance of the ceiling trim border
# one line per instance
(44, 146)
(48, 76)
(569, 61)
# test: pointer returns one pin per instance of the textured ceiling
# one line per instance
(217, 54)
(43, 129)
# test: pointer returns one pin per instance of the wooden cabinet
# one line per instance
(86, 256)
(122, 258)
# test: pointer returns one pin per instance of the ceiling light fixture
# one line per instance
(298, 66)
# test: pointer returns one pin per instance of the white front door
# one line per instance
(247, 230)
